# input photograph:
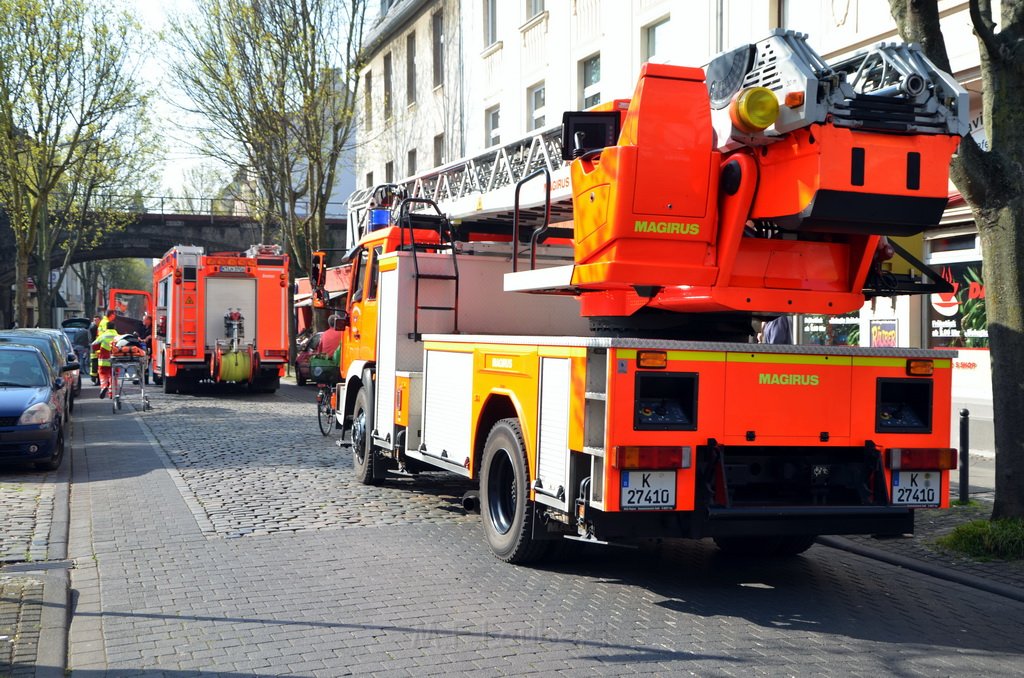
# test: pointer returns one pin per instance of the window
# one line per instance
(492, 118)
(368, 94)
(437, 22)
(369, 179)
(387, 86)
(590, 81)
(410, 163)
(533, 8)
(535, 105)
(410, 69)
(371, 292)
(655, 38)
(439, 150)
(389, 172)
(490, 22)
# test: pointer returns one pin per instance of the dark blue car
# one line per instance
(32, 415)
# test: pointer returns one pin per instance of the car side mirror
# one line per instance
(72, 358)
(343, 320)
(58, 383)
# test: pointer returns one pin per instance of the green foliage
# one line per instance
(74, 127)
(988, 539)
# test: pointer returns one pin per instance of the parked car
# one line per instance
(32, 414)
(74, 376)
(302, 373)
(54, 354)
(80, 340)
(76, 322)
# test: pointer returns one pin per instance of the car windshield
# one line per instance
(21, 368)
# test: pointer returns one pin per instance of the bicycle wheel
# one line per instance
(324, 411)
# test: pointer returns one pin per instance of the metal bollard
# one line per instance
(965, 455)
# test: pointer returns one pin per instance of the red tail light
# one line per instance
(922, 458)
(629, 457)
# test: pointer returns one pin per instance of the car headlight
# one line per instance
(40, 413)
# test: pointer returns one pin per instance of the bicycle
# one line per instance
(325, 407)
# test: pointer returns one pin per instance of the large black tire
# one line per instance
(171, 384)
(362, 441)
(505, 506)
(53, 463)
(790, 545)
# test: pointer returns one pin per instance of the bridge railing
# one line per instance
(202, 206)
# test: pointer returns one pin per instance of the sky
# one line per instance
(153, 16)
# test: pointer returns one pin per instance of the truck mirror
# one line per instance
(318, 269)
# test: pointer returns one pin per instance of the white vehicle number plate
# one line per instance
(916, 488)
(648, 491)
(232, 269)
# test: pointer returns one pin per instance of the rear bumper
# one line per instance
(754, 521)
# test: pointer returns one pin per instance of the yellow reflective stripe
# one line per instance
(697, 356)
(787, 359)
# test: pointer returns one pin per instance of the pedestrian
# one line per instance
(108, 319)
(777, 331)
(330, 340)
(104, 346)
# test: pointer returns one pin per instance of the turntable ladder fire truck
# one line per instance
(590, 365)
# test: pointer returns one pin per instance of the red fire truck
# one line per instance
(220, 318)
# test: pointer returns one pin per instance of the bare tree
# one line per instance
(992, 183)
(275, 83)
(72, 122)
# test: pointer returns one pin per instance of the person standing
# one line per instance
(330, 340)
(94, 330)
(104, 345)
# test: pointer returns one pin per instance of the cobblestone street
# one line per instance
(223, 535)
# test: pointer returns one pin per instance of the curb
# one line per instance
(937, 571)
(52, 652)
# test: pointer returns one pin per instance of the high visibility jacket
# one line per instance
(103, 343)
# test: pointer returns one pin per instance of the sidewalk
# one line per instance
(34, 575)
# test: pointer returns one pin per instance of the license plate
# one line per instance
(232, 269)
(648, 491)
(916, 488)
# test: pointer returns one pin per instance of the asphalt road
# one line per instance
(223, 535)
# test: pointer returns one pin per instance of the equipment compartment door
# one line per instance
(223, 294)
(552, 484)
(447, 407)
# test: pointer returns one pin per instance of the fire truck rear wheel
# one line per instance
(505, 506)
(170, 384)
(362, 444)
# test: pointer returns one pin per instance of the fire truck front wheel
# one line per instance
(505, 506)
(362, 443)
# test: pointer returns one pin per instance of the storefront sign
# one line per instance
(883, 334)
(957, 318)
(831, 330)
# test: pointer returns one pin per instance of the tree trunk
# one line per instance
(1002, 239)
(21, 288)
